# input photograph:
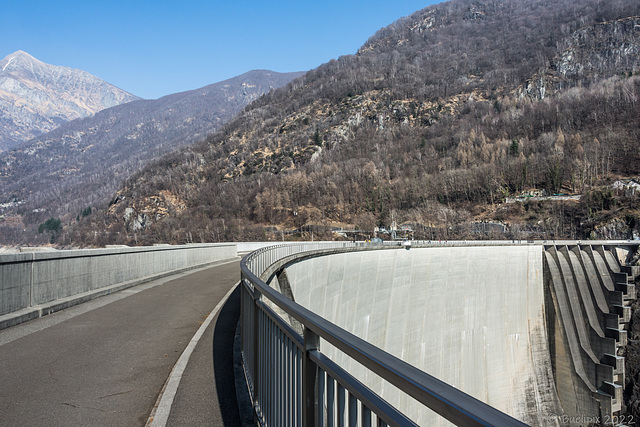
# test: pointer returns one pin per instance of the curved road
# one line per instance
(105, 362)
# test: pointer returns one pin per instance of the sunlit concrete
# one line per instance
(37, 283)
(473, 317)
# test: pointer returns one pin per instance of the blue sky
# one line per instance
(155, 48)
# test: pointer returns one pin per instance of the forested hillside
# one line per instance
(436, 121)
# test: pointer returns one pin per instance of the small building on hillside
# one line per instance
(630, 187)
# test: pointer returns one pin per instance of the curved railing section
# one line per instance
(291, 382)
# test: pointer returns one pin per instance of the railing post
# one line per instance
(256, 350)
(33, 261)
(309, 379)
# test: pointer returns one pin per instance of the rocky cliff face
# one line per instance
(36, 97)
(589, 54)
(596, 50)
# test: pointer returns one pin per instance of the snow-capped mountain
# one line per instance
(36, 97)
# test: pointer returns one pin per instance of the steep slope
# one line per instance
(36, 97)
(83, 162)
(434, 121)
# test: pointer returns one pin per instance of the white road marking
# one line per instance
(162, 410)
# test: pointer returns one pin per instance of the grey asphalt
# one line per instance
(104, 363)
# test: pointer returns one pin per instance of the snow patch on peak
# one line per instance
(7, 64)
(20, 54)
(18, 57)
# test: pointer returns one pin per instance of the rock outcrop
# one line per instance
(589, 54)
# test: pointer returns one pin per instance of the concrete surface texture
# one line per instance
(591, 298)
(30, 279)
(470, 316)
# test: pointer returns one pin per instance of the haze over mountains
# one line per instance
(36, 97)
(82, 162)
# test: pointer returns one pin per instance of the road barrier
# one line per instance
(38, 283)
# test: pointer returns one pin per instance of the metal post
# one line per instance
(309, 368)
(256, 341)
(33, 261)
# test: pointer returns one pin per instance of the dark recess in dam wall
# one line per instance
(588, 308)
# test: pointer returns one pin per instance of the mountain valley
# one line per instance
(81, 163)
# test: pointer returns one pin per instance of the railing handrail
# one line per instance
(449, 402)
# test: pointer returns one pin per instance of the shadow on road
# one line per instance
(223, 336)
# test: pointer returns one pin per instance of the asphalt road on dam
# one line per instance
(105, 362)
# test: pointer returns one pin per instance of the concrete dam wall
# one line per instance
(38, 283)
(503, 324)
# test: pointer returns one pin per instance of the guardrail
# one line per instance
(292, 383)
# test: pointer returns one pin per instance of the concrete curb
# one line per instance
(35, 312)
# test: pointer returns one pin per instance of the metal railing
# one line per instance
(293, 384)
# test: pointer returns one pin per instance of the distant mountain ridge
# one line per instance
(83, 162)
(36, 97)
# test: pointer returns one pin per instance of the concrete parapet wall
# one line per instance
(31, 279)
(473, 317)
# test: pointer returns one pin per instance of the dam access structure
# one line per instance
(427, 333)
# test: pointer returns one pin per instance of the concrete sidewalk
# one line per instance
(105, 362)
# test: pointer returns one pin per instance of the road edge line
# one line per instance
(161, 411)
